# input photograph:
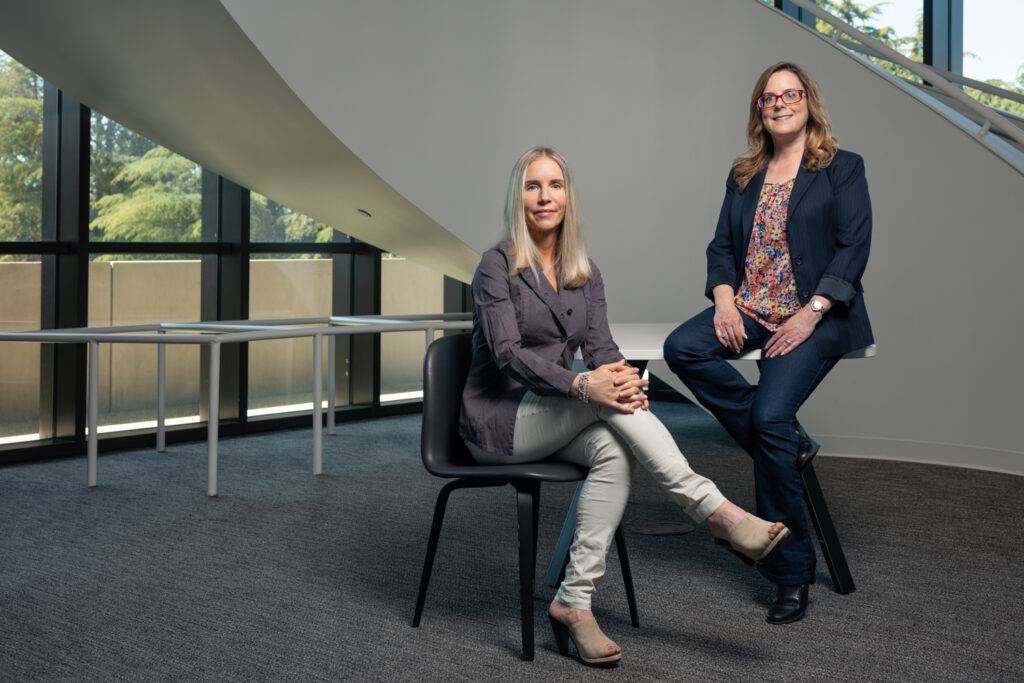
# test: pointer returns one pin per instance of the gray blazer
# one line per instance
(525, 335)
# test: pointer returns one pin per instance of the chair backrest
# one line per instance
(445, 368)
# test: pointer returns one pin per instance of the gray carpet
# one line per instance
(287, 576)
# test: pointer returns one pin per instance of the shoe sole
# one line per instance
(791, 620)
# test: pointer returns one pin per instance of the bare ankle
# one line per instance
(725, 517)
(568, 615)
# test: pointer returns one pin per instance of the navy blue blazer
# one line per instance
(525, 335)
(828, 228)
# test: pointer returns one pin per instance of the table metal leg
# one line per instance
(318, 409)
(828, 539)
(213, 420)
(94, 410)
(331, 397)
(161, 397)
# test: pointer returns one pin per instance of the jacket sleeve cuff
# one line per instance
(836, 289)
(719, 276)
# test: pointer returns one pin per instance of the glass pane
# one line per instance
(896, 23)
(992, 49)
(140, 191)
(127, 291)
(281, 370)
(21, 152)
(21, 284)
(273, 222)
(406, 288)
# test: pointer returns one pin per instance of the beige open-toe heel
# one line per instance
(749, 539)
(589, 639)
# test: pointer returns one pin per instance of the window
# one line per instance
(21, 154)
(406, 287)
(140, 192)
(21, 173)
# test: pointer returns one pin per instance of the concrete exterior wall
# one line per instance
(134, 292)
(19, 363)
(280, 371)
(648, 100)
(406, 287)
(144, 292)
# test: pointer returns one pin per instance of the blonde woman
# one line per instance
(784, 271)
(537, 298)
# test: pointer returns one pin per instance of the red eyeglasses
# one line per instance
(787, 97)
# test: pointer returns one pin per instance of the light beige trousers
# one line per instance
(610, 443)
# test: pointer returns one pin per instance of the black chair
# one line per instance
(445, 455)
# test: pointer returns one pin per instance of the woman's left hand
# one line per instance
(793, 332)
(631, 387)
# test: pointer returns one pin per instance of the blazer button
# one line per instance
(805, 294)
(562, 339)
(798, 260)
(569, 312)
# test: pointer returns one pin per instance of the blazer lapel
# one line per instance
(804, 179)
(546, 293)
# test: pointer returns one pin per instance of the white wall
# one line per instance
(648, 99)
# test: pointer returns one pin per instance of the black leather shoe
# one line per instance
(807, 447)
(790, 604)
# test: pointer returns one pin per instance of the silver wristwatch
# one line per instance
(817, 306)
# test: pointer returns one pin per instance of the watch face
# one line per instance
(817, 306)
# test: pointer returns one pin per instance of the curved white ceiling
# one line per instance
(183, 74)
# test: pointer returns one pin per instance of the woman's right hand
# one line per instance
(728, 320)
(605, 386)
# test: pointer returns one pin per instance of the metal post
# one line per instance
(213, 415)
(161, 397)
(94, 410)
(430, 336)
(318, 466)
(331, 397)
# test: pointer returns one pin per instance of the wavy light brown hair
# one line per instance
(820, 146)
(570, 256)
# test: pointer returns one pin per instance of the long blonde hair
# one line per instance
(819, 148)
(570, 255)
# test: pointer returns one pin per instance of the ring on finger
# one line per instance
(788, 342)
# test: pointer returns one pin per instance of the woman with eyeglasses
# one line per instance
(537, 298)
(784, 272)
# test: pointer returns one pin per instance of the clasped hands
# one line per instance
(618, 386)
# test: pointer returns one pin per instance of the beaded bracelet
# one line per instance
(584, 388)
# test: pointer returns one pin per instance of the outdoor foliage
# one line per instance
(21, 152)
(864, 18)
(139, 191)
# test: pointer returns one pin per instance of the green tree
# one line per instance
(156, 199)
(21, 152)
(273, 222)
(862, 17)
(1001, 103)
(112, 147)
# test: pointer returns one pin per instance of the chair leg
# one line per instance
(527, 503)
(435, 535)
(828, 539)
(627, 576)
(560, 556)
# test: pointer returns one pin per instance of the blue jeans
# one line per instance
(762, 419)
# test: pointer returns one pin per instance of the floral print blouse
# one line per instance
(768, 291)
